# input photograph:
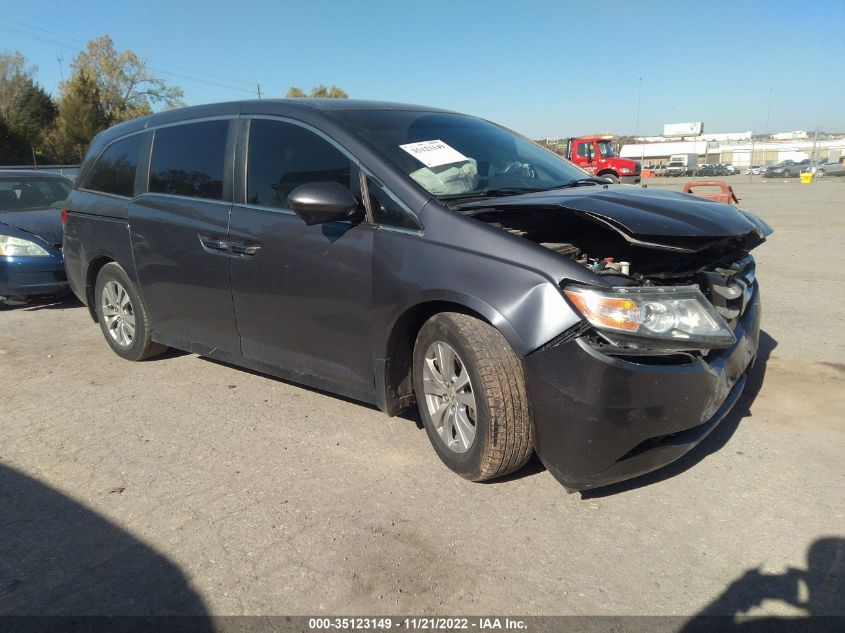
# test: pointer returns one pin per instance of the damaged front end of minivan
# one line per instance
(669, 331)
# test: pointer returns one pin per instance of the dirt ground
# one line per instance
(182, 485)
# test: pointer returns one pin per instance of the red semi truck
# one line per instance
(597, 156)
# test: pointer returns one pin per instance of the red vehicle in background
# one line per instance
(597, 156)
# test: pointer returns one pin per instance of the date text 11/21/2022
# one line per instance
(417, 624)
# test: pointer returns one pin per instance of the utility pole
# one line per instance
(60, 58)
(258, 90)
(34, 161)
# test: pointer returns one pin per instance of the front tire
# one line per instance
(471, 395)
(613, 179)
(123, 319)
(820, 173)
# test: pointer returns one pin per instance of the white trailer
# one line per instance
(682, 165)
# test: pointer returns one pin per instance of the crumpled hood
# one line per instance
(640, 212)
(45, 223)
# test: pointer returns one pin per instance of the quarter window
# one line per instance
(188, 160)
(114, 170)
(283, 156)
(386, 210)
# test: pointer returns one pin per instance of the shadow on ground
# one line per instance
(817, 591)
(59, 558)
(48, 302)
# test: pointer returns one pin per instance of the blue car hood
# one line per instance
(44, 223)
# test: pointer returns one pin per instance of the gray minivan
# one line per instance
(401, 254)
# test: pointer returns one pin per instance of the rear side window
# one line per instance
(283, 156)
(188, 160)
(114, 170)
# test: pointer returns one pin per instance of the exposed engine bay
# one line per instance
(721, 267)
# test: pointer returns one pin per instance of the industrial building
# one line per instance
(738, 149)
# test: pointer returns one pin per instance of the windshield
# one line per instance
(455, 154)
(21, 194)
(606, 149)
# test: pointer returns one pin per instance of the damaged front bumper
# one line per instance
(600, 419)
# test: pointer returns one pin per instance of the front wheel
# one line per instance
(122, 316)
(471, 395)
(611, 178)
(820, 173)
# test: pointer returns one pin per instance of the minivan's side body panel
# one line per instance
(303, 300)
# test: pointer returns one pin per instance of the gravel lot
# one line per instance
(182, 485)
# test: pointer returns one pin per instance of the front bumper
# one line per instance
(30, 276)
(630, 180)
(600, 419)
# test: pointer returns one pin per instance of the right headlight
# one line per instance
(17, 247)
(653, 317)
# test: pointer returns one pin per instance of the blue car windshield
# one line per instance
(454, 154)
(21, 194)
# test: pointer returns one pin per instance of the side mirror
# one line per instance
(319, 202)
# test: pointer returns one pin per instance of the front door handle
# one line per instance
(215, 245)
(246, 251)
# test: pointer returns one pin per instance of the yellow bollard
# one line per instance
(806, 178)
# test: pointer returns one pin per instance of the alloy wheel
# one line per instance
(449, 397)
(118, 313)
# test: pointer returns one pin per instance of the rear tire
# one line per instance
(484, 372)
(123, 319)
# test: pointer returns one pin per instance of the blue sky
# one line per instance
(542, 68)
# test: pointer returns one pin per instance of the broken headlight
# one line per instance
(659, 318)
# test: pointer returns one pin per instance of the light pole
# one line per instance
(768, 111)
(637, 133)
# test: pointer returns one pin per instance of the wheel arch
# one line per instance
(608, 171)
(394, 364)
(93, 269)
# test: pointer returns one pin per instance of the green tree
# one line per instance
(26, 110)
(81, 117)
(317, 92)
(126, 87)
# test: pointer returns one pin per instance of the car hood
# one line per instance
(640, 212)
(45, 223)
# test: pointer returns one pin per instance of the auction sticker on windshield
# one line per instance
(434, 153)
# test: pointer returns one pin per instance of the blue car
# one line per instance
(31, 233)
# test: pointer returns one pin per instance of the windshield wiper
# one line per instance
(495, 192)
(581, 182)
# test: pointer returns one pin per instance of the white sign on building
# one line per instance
(683, 129)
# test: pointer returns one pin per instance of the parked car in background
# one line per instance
(730, 170)
(399, 254)
(31, 233)
(825, 168)
(786, 169)
(754, 170)
(682, 165)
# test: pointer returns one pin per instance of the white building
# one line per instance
(737, 153)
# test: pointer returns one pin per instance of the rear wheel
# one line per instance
(471, 395)
(122, 316)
